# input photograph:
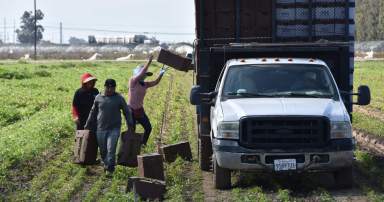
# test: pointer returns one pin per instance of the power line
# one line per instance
(120, 31)
(125, 26)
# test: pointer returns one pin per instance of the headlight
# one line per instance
(341, 130)
(228, 130)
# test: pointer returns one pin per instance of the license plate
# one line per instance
(285, 164)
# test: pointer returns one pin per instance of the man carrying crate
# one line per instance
(106, 113)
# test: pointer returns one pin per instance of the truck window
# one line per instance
(282, 80)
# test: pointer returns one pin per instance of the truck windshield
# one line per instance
(279, 80)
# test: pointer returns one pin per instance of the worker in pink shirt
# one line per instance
(137, 90)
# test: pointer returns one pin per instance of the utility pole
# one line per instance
(61, 33)
(35, 31)
(5, 30)
(14, 31)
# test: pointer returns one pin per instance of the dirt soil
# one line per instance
(210, 193)
(369, 141)
(375, 113)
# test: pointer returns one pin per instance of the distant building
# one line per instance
(130, 39)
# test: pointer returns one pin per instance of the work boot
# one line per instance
(96, 162)
(108, 174)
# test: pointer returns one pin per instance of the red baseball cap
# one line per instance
(86, 77)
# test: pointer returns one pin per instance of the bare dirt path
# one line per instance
(93, 174)
(210, 193)
(375, 113)
(369, 141)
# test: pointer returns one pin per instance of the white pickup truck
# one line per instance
(280, 115)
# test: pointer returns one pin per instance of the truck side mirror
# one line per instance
(363, 96)
(207, 98)
(194, 97)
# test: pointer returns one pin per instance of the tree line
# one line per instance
(369, 20)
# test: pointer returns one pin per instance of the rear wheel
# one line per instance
(205, 153)
(344, 177)
(221, 176)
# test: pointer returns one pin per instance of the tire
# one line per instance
(221, 176)
(205, 153)
(344, 178)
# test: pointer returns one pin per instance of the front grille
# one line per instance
(280, 132)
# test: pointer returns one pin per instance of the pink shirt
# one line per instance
(136, 93)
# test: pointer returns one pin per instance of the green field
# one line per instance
(36, 139)
(371, 73)
(36, 132)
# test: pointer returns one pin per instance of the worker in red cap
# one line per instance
(83, 100)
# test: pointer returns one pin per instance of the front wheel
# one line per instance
(221, 176)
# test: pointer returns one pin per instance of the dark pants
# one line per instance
(144, 121)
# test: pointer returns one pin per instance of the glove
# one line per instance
(162, 71)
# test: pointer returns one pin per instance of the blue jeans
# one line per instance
(107, 140)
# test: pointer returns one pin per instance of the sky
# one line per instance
(167, 20)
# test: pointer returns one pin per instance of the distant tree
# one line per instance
(92, 39)
(381, 21)
(26, 33)
(76, 41)
(369, 20)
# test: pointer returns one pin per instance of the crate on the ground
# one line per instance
(146, 188)
(151, 166)
(182, 149)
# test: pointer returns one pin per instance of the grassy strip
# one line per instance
(183, 178)
(372, 168)
(368, 124)
(116, 190)
(371, 73)
(58, 181)
(196, 179)
(251, 194)
(26, 139)
(94, 192)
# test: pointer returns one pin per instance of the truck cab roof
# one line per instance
(258, 61)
